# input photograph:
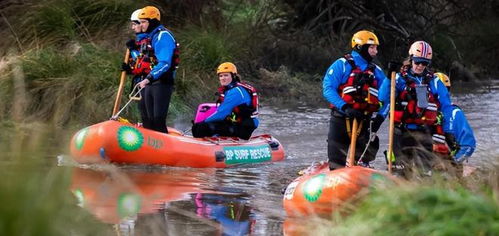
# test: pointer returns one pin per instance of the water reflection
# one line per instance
(168, 201)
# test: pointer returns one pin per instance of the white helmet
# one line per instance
(135, 15)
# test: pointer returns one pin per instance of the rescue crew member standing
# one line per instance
(420, 95)
(458, 132)
(237, 114)
(351, 87)
(161, 49)
(134, 65)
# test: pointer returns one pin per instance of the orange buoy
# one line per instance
(324, 191)
(117, 142)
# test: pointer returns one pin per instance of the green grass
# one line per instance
(435, 207)
(59, 21)
(35, 194)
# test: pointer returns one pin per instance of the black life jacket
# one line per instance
(361, 88)
(242, 111)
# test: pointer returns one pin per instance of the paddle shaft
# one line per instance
(392, 122)
(353, 142)
(121, 86)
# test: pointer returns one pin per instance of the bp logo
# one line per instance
(129, 138)
(80, 138)
(128, 204)
(313, 187)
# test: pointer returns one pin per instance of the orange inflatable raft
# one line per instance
(323, 191)
(117, 142)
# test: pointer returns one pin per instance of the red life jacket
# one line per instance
(361, 88)
(242, 111)
(142, 65)
(406, 109)
(439, 142)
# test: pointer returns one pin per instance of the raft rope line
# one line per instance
(132, 97)
(372, 136)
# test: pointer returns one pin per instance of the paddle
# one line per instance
(121, 86)
(353, 142)
(392, 121)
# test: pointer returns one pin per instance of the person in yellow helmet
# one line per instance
(351, 85)
(160, 56)
(237, 115)
(445, 79)
(458, 132)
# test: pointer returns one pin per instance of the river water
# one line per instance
(142, 200)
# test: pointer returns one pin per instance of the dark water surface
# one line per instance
(244, 200)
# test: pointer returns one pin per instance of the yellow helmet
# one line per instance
(444, 78)
(150, 12)
(227, 67)
(364, 37)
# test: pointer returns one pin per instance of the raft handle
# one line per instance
(219, 156)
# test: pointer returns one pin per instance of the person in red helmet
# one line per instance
(419, 97)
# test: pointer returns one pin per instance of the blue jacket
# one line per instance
(163, 44)
(135, 53)
(437, 88)
(338, 73)
(455, 123)
(233, 97)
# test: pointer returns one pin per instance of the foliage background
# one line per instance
(60, 58)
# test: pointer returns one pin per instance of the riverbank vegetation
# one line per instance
(61, 58)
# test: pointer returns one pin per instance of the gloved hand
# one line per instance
(126, 67)
(352, 113)
(463, 154)
(130, 44)
(376, 123)
(460, 159)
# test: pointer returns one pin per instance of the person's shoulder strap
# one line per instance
(350, 60)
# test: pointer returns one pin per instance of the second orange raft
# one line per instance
(117, 142)
(322, 191)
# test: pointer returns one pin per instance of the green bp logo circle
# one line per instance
(80, 138)
(129, 138)
(128, 204)
(313, 188)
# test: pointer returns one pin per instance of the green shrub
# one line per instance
(430, 209)
(35, 194)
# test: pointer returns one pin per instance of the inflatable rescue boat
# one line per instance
(320, 191)
(118, 142)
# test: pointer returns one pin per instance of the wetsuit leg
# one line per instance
(208, 129)
(145, 114)
(413, 148)
(245, 130)
(161, 94)
(337, 141)
(423, 150)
